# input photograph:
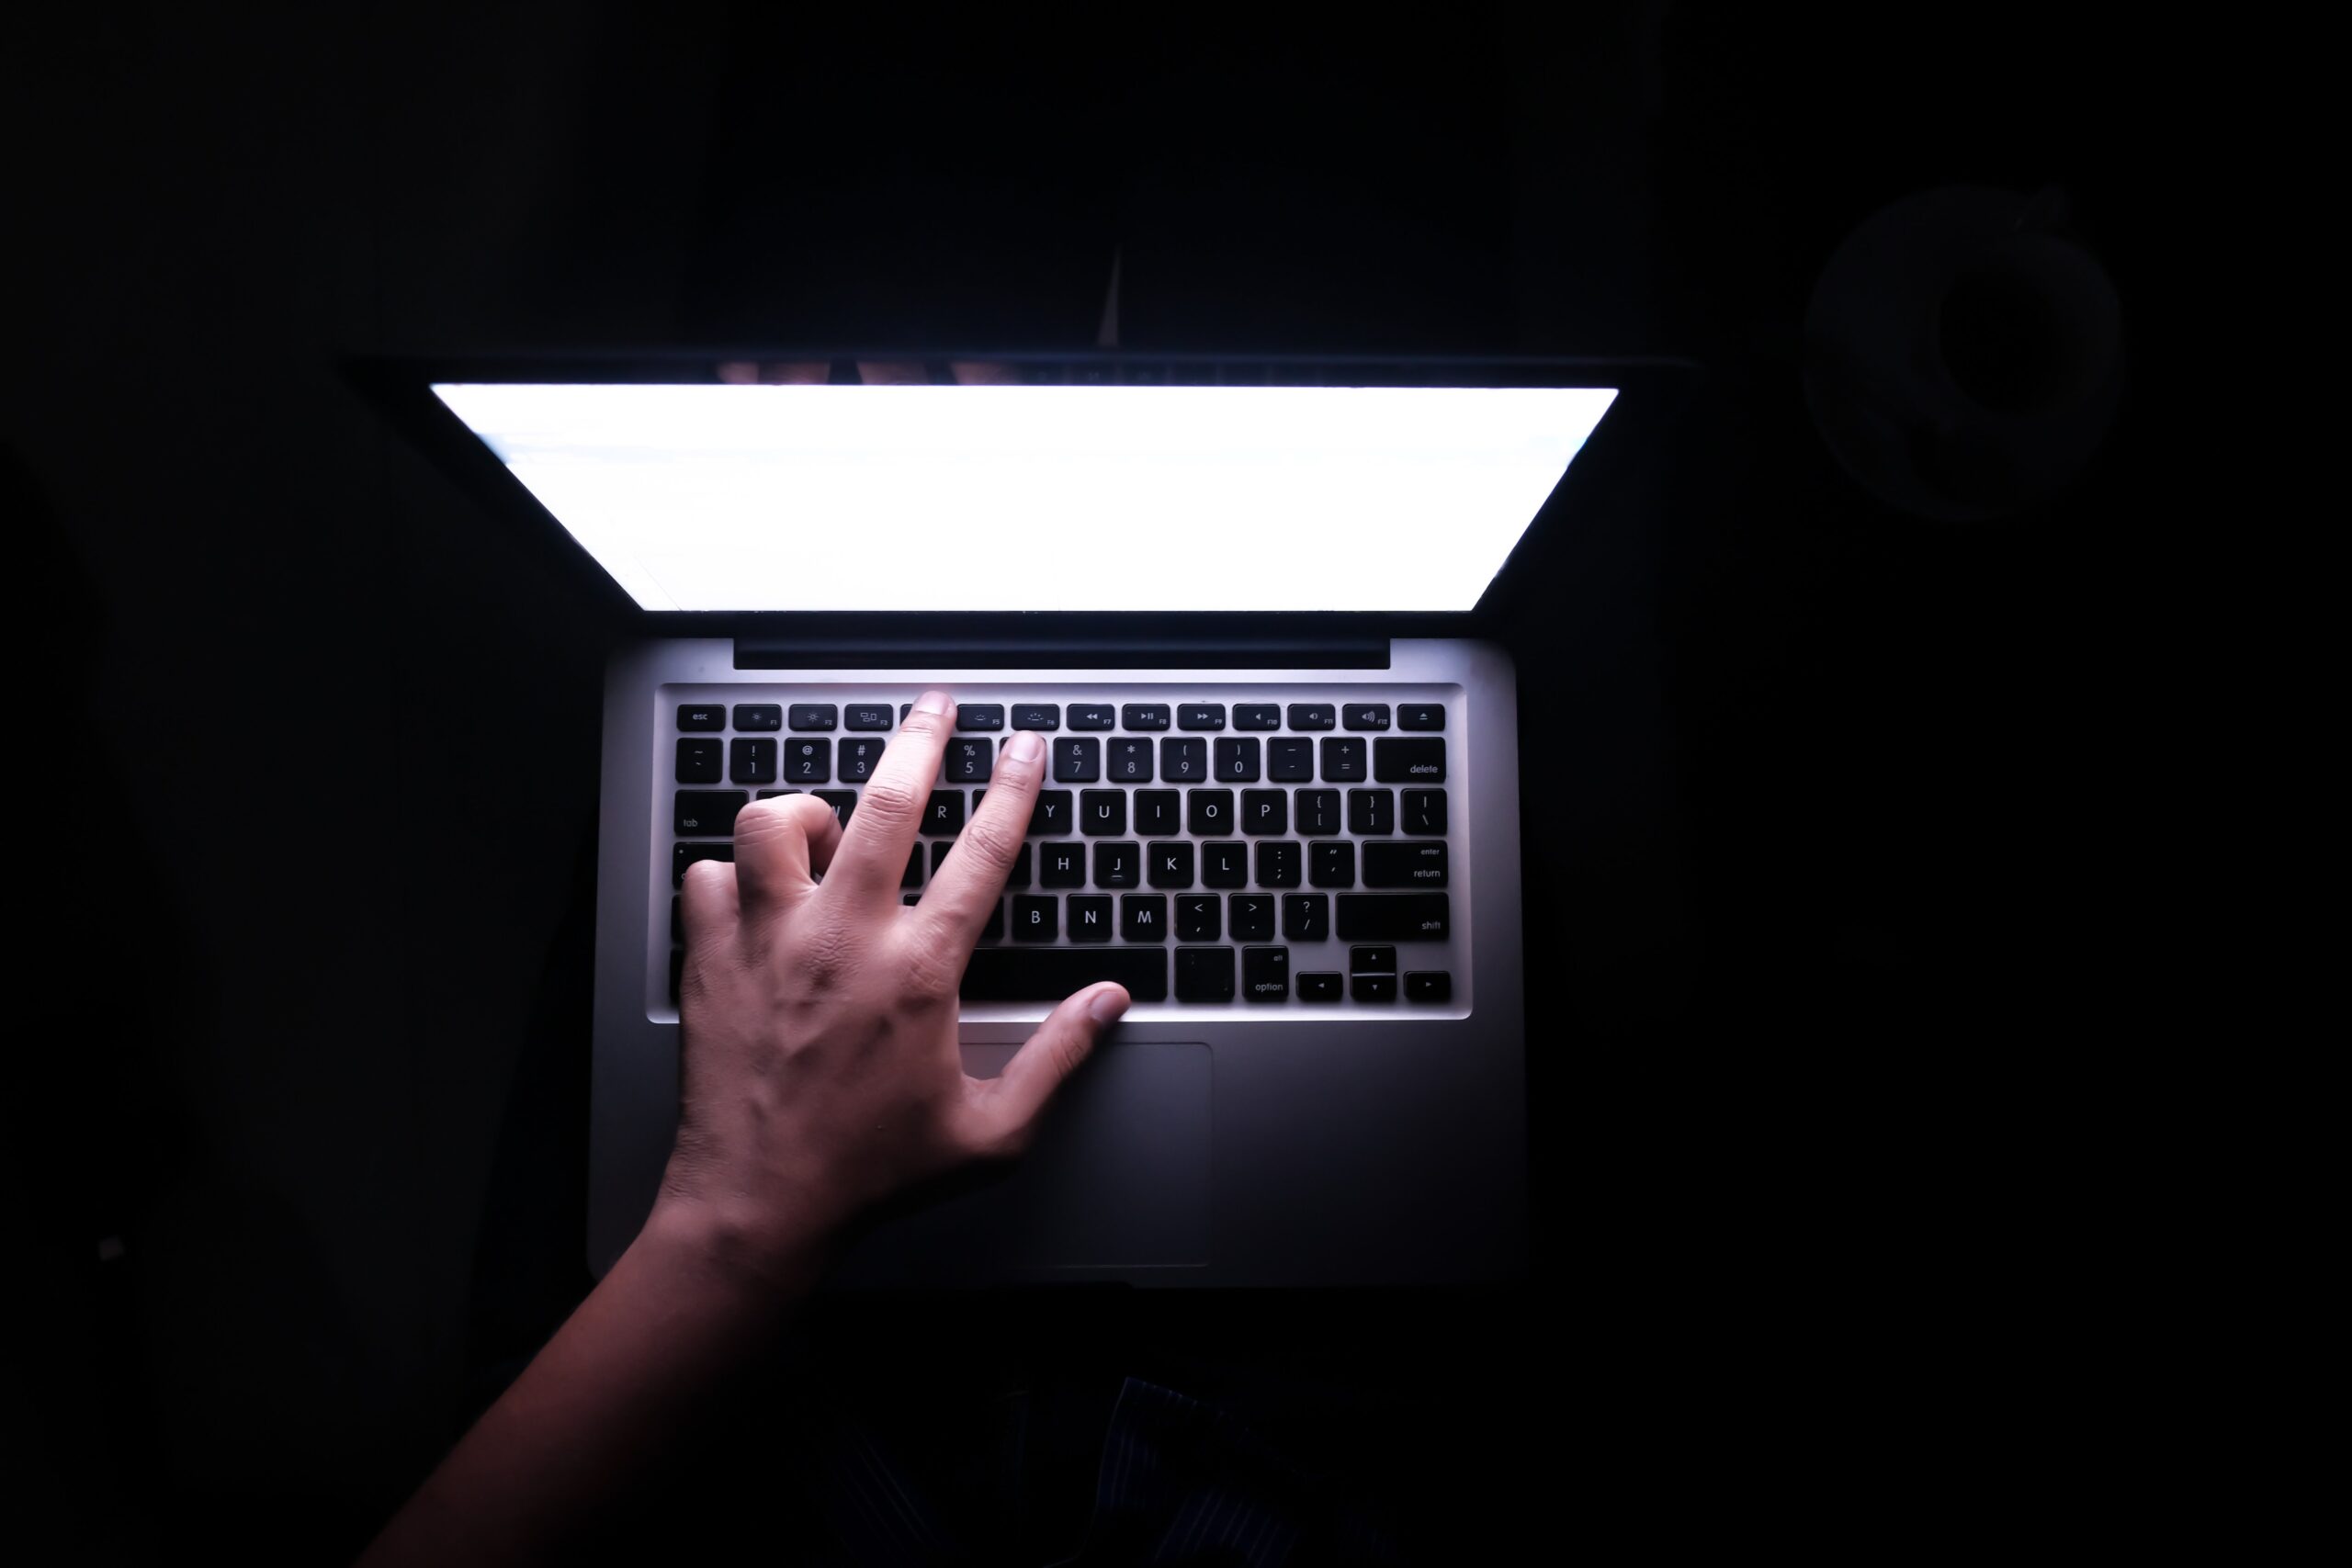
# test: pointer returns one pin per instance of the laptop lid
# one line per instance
(1179, 498)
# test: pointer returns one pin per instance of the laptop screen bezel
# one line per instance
(1648, 390)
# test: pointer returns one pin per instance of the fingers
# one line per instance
(965, 893)
(873, 854)
(781, 846)
(1009, 1103)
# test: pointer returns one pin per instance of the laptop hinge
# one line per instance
(1350, 652)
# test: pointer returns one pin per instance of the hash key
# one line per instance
(858, 758)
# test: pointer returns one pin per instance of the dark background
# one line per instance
(1832, 813)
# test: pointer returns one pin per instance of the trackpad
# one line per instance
(1119, 1173)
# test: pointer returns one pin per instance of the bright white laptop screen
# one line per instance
(990, 497)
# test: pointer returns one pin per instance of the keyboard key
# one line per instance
(1225, 865)
(1312, 715)
(1420, 759)
(1429, 985)
(1290, 760)
(814, 716)
(706, 813)
(1253, 917)
(1050, 817)
(1091, 716)
(759, 716)
(1205, 974)
(945, 816)
(1373, 987)
(1156, 813)
(1089, 917)
(751, 761)
(1257, 715)
(1200, 716)
(1143, 916)
(1237, 759)
(1424, 811)
(701, 761)
(1395, 917)
(1037, 715)
(1130, 760)
(1035, 917)
(1372, 812)
(805, 761)
(684, 855)
(939, 853)
(1049, 973)
(702, 715)
(1101, 813)
(1117, 865)
(1404, 864)
(1320, 987)
(1264, 811)
(1143, 716)
(1061, 865)
(858, 758)
(869, 716)
(994, 930)
(1208, 812)
(1342, 761)
(1420, 715)
(1364, 715)
(1331, 865)
(969, 761)
(1318, 812)
(1265, 972)
(843, 801)
(1019, 876)
(1198, 919)
(1378, 960)
(779, 794)
(1184, 761)
(1278, 864)
(912, 876)
(1077, 759)
(1171, 864)
(979, 716)
(1306, 916)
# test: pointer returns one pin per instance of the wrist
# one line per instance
(741, 1252)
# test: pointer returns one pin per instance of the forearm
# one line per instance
(684, 1308)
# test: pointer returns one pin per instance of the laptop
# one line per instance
(1247, 603)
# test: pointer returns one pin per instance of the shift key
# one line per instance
(1395, 917)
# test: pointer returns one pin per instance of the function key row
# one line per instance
(702, 718)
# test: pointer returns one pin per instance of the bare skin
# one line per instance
(821, 1076)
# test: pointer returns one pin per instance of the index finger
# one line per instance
(881, 833)
(963, 893)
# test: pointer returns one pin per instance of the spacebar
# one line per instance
(1049, 973)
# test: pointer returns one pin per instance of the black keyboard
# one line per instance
(1255, 849)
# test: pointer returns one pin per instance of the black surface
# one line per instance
(1843, 819)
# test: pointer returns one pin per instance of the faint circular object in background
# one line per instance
(1964, 352)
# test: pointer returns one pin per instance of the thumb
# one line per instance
(1048, 1056)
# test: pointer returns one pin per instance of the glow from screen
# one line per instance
(989, 498)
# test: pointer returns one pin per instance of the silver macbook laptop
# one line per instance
(1241, 601)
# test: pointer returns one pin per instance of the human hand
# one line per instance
(819, 1019)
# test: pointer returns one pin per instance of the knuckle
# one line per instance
(890, 802)
(763, 818)
(703, 878)
(931, 973)
(989, 842)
